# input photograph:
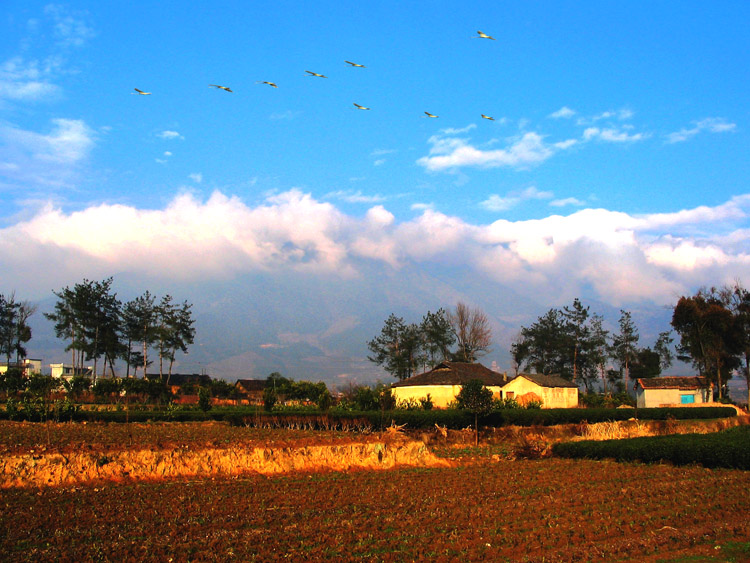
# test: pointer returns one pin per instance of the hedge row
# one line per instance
(455, 419)
(729, 449)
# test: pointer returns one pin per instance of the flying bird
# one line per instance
(141, 92)
(266, 82)
(355, 64)
(488, 117)
(428, 114)
(311, 73)
(220, 87)
(360, 107)
(483, 35)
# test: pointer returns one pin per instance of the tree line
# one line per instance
(713, 327)
(573, 343)
(100, 327)
(402, 349)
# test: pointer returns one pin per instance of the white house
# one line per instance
(67, 372)
(672, 391)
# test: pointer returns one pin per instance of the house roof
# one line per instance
(455, 373)
(251, 384)
(673, 382)
(547, 380)
(182, 378)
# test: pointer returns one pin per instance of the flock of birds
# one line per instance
(481, 35)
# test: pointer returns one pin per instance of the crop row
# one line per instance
(730, 449)
(352, 420)
(552, 510)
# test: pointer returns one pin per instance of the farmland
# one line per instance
(477, 507)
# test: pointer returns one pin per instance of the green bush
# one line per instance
(729, 449)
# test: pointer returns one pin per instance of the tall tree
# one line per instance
(397, 347)
(599, 348)
(578, 334)
(709, 335)
(438, 336)
(181, 334)
(625, 342)
(542, 347)
(740, 307)
(473, 332)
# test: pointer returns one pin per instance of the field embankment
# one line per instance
(26, 462)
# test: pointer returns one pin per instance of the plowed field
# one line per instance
(480, 509)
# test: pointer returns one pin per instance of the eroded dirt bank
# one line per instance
(55, 469)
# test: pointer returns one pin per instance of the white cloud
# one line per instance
(564, 202)
(70, 28)
(354, 197)
(170, 135)
(45, 159)
(514, 198)
(563, 113)
(196, 177)
(449, 153)
(710, 124)
(612, 135)
(613, 256)
(27, 80)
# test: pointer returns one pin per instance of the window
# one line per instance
(687, 399)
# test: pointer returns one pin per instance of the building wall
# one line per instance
(551, 397)
(441, 395)
(653, 398)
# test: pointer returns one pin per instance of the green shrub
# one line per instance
(730, 449)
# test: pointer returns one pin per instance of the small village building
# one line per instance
(180, 382)
(672, 391)
(68, 372)
(251, 389)
(552, 391)
(443, 383)
(27, 366)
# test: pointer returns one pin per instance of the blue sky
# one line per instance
(615, 168)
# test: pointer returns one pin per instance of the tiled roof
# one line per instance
(547, 380)
(455, 373)
(251, 384)
(673, 382)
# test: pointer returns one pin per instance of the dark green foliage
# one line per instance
(730, 449)
(204, 399)
(269, 398)
(12, 381)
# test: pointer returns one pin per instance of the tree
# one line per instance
(143, 313)
(473, 332)
(578, 334)
(624, 343)
(599, 348)
(709, 335)
(437, 335)
(740, 307)
(645, 364)
(397, 348)
(477, 399)
(543, 345)
(663, 347)
(15, 331)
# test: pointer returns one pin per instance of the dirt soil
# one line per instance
(34, 455)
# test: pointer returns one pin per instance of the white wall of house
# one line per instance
(67, 372)
(551, 397)
(654, 398)
(441, 395)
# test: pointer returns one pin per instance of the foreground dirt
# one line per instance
(35, 455)
(544, 510)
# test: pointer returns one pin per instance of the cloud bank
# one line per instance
(610, 255)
